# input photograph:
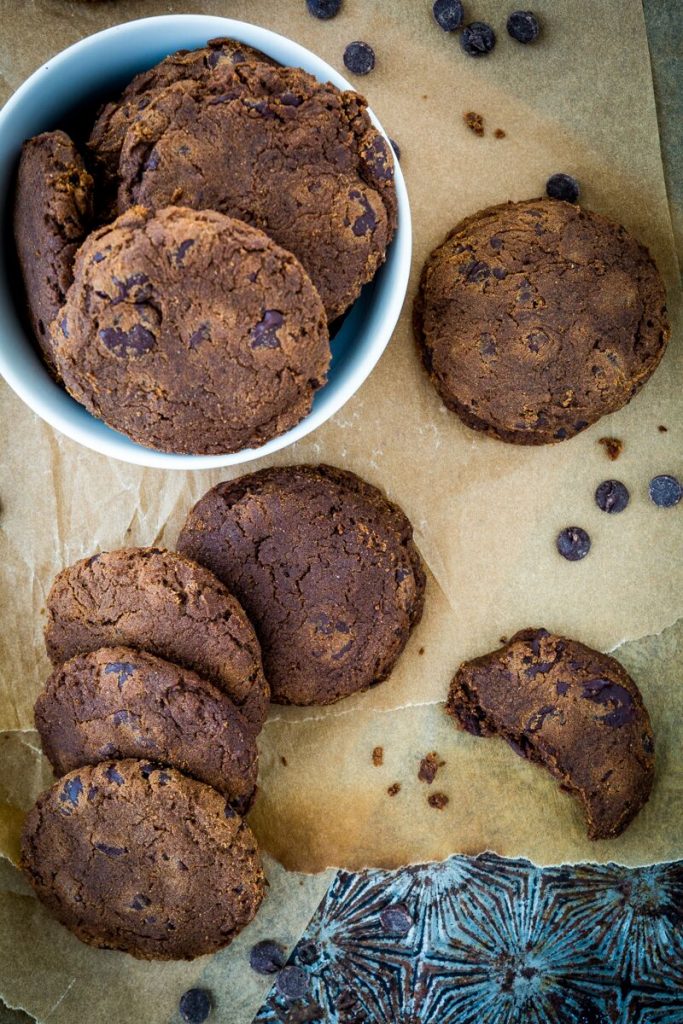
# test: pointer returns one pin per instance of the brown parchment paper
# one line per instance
(485, 514)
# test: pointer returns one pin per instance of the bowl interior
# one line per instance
(97, 68)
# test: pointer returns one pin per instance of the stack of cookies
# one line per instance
(181, 278)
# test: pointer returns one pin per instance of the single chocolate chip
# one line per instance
(113, 775)
(123, 670)
(665, 491)
(140, 902)
(324, 9)
(612, 496)
(604, 691)
(71, 792)
(449, 14)
(477, 39)
(573, 543)
(203, 333)
(110, 851)
(267, 957)
(195, 1005)
(396, 919)
(523, 26)
(182, 249)
(562, 186)
(359, 58)
(138, 340)
(292, 982)
(264, 334)
(396, 148)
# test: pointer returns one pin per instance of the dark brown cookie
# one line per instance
(535, 319)
(139, 858)
(117, 703)
(113, 121)
(274, 147)
(574, 710)
(52, 212)
(158, 601)
(191, 332)
(327, 569)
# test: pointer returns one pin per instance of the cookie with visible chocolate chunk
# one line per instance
(117, 702)
(52, 213)
(134, 857)
(534, 319)
(155, 600)
(189, 331)
(276, 148)
(326, 568)
(570, 708)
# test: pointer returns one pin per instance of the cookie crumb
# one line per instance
(421, 651)
(283, 760)
(662, 429)
(502, 639)
(613, 447)
(394, 788)
(378, 756)
(437, 800)
(475, 122)
(429, 766)
(499, 134)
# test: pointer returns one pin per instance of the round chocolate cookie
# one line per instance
(535, 319)
(191, 332)
(116, 702)
(274, 147)
(326, 568)
(52, 212)
(139, 858)
(570, 708)
(158, 601)
(113, 121)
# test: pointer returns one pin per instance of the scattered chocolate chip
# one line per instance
(367, 220)
(264, 334)
(140, 902)
(499, 133)
(612, 496)
(604, 691)
(202, 334)
(477, 39)
(110, 851)
(562, 186)
(475, 122)
(324, 9)
(613, 447)
(394, 788)
(71, 792)
(292, 982)
(448, 14)
(137, 341)
(378, 756)
(429, 766)
(437, 800)
(662, 429)
(665, 491)
(267, 957)
(396, 148)
(359, 58)
(195, 1005)
(123, 670)
(113, 775)
(182, 250)
(573, 543)
(523, 26)
(396, 919)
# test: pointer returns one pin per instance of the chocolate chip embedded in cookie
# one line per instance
(139, 858)
(158, 601)
(52, 212)
(325, 566)
(274, 147)
(117, 702)
(191, 332)
(534, 319)
(574, 710)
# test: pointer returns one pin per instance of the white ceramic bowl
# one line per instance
(80, 77)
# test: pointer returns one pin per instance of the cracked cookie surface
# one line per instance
(274, 147)
(326, 568)
(161, 602)
(573, 710)
(191, 332)
(534, 319)
(117, 702)
(135, 857)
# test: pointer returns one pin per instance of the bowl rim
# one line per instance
(93, 433)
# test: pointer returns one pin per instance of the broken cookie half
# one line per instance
(570, 708)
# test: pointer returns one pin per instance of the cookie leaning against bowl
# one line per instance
(191, 332)
(534, 319)
(155, 600)
(572, 709)
(326, 568)
(142, 859)
(116, 702)
(274, 147)
(52, 212)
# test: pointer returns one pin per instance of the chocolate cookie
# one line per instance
(117, 702)
(158, 601)
(139, 858)
(327, 569)
(191, 332)
(113, 121)
(274, 147)
(535, 319)
(52, 212)
(571, 709)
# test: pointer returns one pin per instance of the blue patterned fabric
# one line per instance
(493, 941)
